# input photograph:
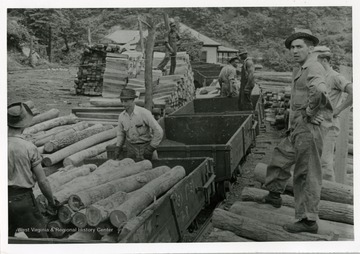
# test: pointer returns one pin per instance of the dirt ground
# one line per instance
(47, 88)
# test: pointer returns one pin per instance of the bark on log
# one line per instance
(144, 196)
(331, 191)
(37, 137)
(101, 176)
(65, 214)
(257, 230)
(73, 137)
(78, 146)
(69, 129)
(218, 235)
(100, 211)
(63, 120)
(87, 197)
(327, 210)
(280, 216)
(48, 115)
(79, 157)
(79, 219)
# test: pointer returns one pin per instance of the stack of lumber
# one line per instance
(100, 202)
(276, 107)
(273, 81)
(262, 222)
(67, 139)
(90, 75)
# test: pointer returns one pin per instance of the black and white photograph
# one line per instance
(220, 127)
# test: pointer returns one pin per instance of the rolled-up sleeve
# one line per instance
(317, 89)
(156, 129)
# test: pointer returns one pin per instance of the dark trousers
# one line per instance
(24, 214)
(172, 58)
(245, 102)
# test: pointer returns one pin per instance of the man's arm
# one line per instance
(156, 128)
(120, 134)
(347, 87)
(43, 183)
(250, 67)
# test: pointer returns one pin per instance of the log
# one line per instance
(144, 196)
(63, 120)
(280, 216)
(58, 179)
(101, 176)
(79, 157)
(331, 191)
(79, 219)
(257, 230)
(99, 211)
(57, 229)
(48, 115)
(45, 134)
(73, 137)
(51, 159)
(89, 234)
(65, 214)
(30, 104)
(327, 210)
(67, 129)
(87, 197)
(218, 235)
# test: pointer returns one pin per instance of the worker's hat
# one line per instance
(242, 51)
(127, 93)
(19, 115)
(301, 34)
(233, 59)
(322, 51)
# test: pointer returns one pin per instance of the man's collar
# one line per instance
(135, 111)
(308, 62)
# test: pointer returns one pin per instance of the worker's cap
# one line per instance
(172, 22)
(301, 34)
(127, 93)
(322, 51)
(242, 51)
(19, 115)
(234, 59)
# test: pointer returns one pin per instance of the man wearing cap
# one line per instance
(337, 85)
(247, 81)
(137, 128)
(171, 48)
(227, 78)
(24, 170)
(311, 117)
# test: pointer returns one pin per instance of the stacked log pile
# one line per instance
(248, 220)
(98, 203)
(67, 139)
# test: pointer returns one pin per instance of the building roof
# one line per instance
(203, 38)
(125, 36)
(225, 49)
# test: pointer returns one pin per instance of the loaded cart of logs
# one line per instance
(107, 201)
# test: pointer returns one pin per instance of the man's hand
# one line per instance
(148, 152)
(336, 112)
(118, 150)
(317, 119)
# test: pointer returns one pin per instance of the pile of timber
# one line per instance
(247, 220)
(276, 108)
(105, 202)
(67, 139)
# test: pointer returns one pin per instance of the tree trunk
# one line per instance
(79, 157)
(49, 124)
(101, 176)
(79, 219)
(284, 215)
(144, 196)
(330, 191)
(66, 130)
(65, 214)
(150, 41)
(141, 35)
(48, 115)
(31, 51)
(90, 196)
(218, 235)
(257, 230)
(327, 210)
(72, 137)
(51, 159)
(50, 45)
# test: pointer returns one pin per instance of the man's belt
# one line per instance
(14, 190)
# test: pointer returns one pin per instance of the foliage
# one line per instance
(17, 34)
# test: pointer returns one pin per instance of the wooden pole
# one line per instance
(141, 35)
(31, 51)
(148, 62)
(166, 22)
(89, 36)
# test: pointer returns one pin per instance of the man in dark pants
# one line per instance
(247, 82)
(138, 129)
(24, 169)
(227, 78)
(171, 48)
(309, 122)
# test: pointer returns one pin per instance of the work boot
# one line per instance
(303, 225)
(272, 198)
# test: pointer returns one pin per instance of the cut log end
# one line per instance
(117, 218)
(79, 220)
(75, 203)
(46, 162)
(49, 147)
(93, 216)
(56, 229)
(42, 203)
(65, 214)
